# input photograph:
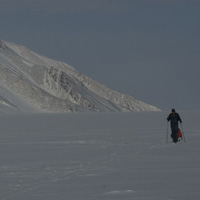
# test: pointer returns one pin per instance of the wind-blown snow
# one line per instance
(46, 85)
(98, 156)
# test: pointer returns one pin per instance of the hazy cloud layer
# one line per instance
(52, 6)
(147, 48)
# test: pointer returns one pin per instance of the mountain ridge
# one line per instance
(46, 85)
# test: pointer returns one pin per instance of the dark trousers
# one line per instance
(174, 135)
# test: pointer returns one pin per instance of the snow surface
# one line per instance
(98, 156)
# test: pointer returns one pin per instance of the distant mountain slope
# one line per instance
(30, 82)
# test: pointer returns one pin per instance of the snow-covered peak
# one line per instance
(46, 85)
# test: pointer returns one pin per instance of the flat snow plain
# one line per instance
(104, 156)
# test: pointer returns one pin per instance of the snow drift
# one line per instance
(30, 82)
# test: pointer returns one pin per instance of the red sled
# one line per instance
(180, 136)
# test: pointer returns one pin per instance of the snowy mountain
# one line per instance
(30, 82)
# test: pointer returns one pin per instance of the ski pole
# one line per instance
(183, 132)
(167, 133)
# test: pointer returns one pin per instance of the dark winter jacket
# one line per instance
(174, 118)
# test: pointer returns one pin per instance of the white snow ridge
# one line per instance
(30, 83)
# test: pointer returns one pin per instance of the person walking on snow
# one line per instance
(174, 118)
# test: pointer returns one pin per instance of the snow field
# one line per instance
(98, 156)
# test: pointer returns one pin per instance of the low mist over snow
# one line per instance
(30, 82)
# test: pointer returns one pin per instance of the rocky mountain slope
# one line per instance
(30, 82)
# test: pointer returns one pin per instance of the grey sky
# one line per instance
(146, 48)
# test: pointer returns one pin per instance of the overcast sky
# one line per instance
(146, 48)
